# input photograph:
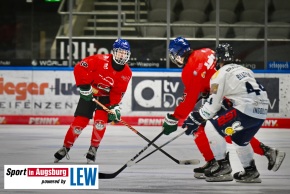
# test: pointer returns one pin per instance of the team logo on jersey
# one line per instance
(109, 80)
(236, 126)
(104, 87)
(84, 64)
(203, 74)
(106, 65)
(215, 75)
(106, 58)
(229, 131)
(126, 78)
(214, 88)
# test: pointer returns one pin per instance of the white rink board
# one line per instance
(29, 92)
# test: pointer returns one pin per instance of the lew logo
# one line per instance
(83, 176)
(51, 177)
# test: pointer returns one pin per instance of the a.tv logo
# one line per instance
(156, 93)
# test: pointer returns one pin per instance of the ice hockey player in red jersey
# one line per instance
(198, 67)
(104, 77)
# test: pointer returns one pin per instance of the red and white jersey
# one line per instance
(97, 71)
(238, 84)
(195, 76)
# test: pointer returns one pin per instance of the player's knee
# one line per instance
(80, 121)
(79, 124)
(77, 130)
(239, 141)
(99, 125)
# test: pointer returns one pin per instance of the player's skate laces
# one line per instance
(274, 156)
(250, 175)
(199, 172)
(219, 171)
(61, 153)
(91, 154)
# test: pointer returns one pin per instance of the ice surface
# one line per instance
(32, 144)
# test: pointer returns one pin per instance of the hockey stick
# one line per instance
(200, 97)
(129, 163)
(184, 162)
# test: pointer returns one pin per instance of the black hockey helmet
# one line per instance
(224, 53)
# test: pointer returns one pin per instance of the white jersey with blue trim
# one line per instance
(239, 85)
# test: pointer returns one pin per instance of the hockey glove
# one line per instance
(86, 92)
(205, 95)
(170, 124)
(193, 121)
(226, 104)
(116, 113)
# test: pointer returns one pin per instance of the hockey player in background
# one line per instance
(198, 67)
(241, 121)
(104, 77)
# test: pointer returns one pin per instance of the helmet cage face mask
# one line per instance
(176, 59)
(177, 48)
(121, 56)
(121, 51)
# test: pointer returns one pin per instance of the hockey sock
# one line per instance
(245, 154)
(228, 139)
(98, 133)
(203, 144)
(75, 130)
(217, 142)
(255, 143)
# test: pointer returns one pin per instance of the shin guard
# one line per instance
(203, 144)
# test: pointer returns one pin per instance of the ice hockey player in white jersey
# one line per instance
(242, 121)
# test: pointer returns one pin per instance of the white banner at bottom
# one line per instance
(51, 177)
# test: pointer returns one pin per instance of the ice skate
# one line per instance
(250, 175)
(199, 172)
(219, 171)
(61, 153)
(91, 155)
(274, 156)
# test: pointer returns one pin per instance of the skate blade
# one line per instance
(221, 178)
(199, 175)
(56, 160)
(90, 161)
(279, 160)
(255, 180)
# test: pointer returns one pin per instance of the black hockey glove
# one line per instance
(204, 95)
(226, 104)
(193, 121)
(170, 124)
(86, 92)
